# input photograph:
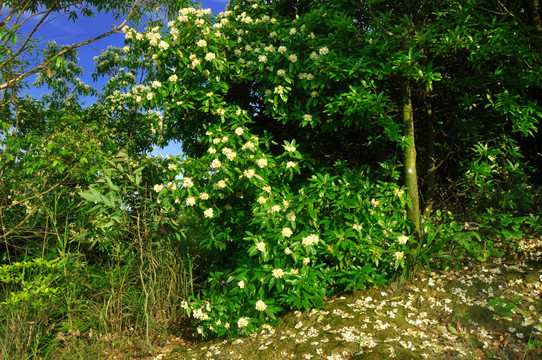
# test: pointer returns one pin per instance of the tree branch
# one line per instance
(19, 78)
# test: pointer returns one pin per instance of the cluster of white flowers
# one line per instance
(277, 273)
(163, 45)
(200, 315)
(286, 232)
(290, 217)
(209, 213)
(310, 240)
(153, 36)
(249, 173)
(402, 239)
(260, 246)
(262, 162)
(219, 185)
(187, 182)
(260, 305)
(216, 164)
(242, 322)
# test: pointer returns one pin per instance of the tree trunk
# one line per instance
(532, 8)
(409, 154)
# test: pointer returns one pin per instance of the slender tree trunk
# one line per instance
(409, 154)
(532, 8)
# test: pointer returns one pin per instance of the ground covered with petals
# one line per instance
(489, 310)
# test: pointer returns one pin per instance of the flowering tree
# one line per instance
(291, 231)
(264, 99)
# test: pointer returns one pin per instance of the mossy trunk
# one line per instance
(409, 155)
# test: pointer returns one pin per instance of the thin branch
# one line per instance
(36, 195)
(27, 40)
(60, 53)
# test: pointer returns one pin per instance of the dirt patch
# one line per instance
(482, 311)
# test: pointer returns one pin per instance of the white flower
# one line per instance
(313, 55)
(306, 261)
(201, 43)
(262, 58)
(249, 145)
(291, 217)
(292, 31)
(210, 56)
(292, 58)
(277, 273)
(196, 62)
(287, 251)
(241, 284)
(208, 213)
(239, 131)
(242, 322)
(323, 50)
(261, 200)
(173, 78)
(281, 72)
(172, 166)
(190, 201)
(231, 155)
(402, 239)
(310, 240)
(216, 164)
(275, 208)
(260, 246)
(262, 163)
(307, 117)
(211, 151)
(249, 173)
(290, 164)
(163, 45)
(289, 148)
(260, 305)
(158, 187)
(219, 185)
(399, 255)
(357, 227)
(398, 192)
(204, 196)
(282, 49)
(187, 182)
(286, 232)
(266, 188)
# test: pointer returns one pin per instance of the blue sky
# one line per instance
(65, 31)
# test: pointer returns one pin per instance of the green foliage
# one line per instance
(290, 236)
(292, 112)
